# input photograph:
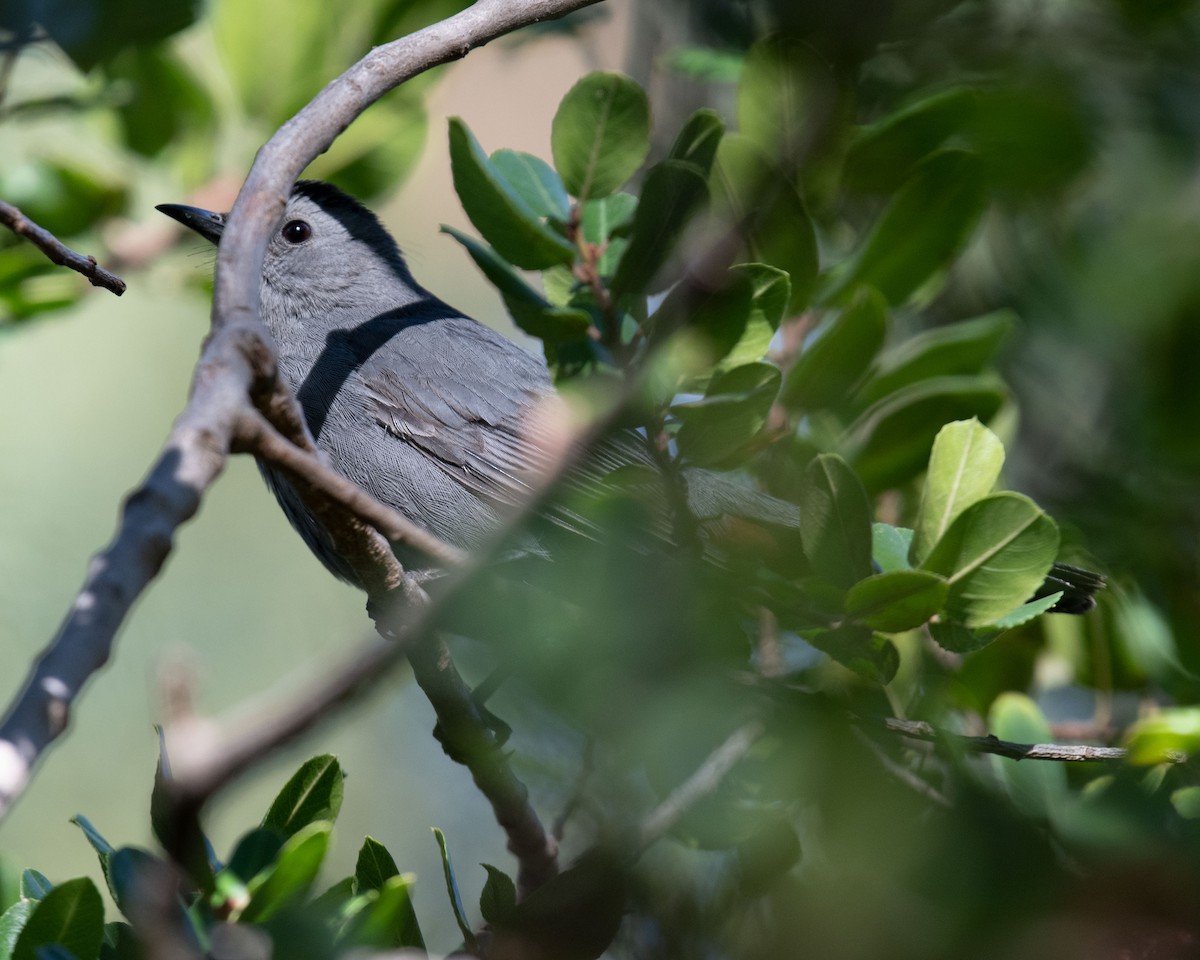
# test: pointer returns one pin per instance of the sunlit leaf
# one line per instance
(498, 212)
(529, 310)
(535, 182)
(313, 793)
(892, 602)
(893, 438)
(963, 468)
(995, 554)
(71, 916)
(292, 874)
(600, 134)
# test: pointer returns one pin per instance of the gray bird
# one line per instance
(426, 409)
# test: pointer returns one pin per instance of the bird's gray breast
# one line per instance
(425, 410)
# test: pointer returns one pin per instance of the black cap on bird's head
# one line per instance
(309, 199)
(328, 254)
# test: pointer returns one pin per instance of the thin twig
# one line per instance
(700, 784)
(57, 251)
(309, 468)
(902, 773)
(577, 790)
(1062, 752)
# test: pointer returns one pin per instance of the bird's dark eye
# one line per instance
(296, 231)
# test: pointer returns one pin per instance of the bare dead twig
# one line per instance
(1062, 752)
(57, 251)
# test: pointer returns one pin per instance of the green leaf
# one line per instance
(732, 413)
(499, 896)
(93, 32)
(830, 368)
(893, 438)
(535, 182)
(770, 291)
(292, 875)
(255, 851)
(1025, 612)
(857, 648)
(35, 885)
(748, 188)
(835, 522)
(313, 793)
(374, 866)
(389, 921)
(120, 943)
(66, 199)
(498, 211)
(958, 349)
(529, 310)
(672, 194)
(889, 547)
(94, 837)
(963, 468)
(698, 139)
(774, 95)
(1186, 801)
(897, 601)
(995, 554)
(881, 156)
(600, 134)
(165, 100)
(921, 231)
(71, 915)
(717, 318)
(126, 869)
(1033, 138)
(1038, 789)
(601, 220)
(12, 922)
(1158, 737)
(456, 903)
(575, 915)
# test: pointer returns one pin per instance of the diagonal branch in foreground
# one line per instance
(57, 251)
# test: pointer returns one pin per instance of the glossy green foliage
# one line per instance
(601, 134)
(268, 881)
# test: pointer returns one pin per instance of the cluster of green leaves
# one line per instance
(267, 882)
(618, 285)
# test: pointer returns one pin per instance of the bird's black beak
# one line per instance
(206, 223)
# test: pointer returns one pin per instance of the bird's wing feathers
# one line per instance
(457, 399)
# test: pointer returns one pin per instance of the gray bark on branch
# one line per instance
(57, 251)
